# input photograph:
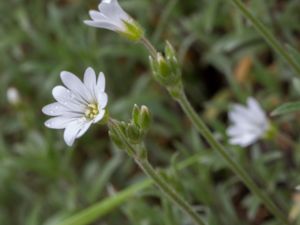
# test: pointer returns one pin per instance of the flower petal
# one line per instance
(248, 123)
(101, 82)
(59, 122)
(243, 112)
(55, 109)
(102, 24)
(72, 130)
(102, 100)
(68, 99)
(96, 15)
(99, 116)
(243, 140)
(90, 81)
(75, 85)
(233, 130)
(113, 10)
(256, 110)
(85, 127)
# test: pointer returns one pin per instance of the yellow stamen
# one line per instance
(91, 111)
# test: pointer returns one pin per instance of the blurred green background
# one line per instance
(223, 60)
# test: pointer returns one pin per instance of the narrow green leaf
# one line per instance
(94, 212)
(286, 108)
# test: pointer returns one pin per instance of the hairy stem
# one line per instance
(149, 47)
(235, 167)
(207, 134)
(159, 181)
(169, 191)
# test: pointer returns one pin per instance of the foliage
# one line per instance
(224, 60)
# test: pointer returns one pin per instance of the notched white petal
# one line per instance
(112, 9)
(96, 15)
(68, 99)
(72, 130)
(84, 129)
(90, 81)
(59, 122)
(256, 109)
(74, 84)
(101, 82)
(54, 109)
(102, 99)
(101, 24)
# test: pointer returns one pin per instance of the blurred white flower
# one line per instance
(78, 105)
(112, 17)
(13, 96)
(248, 123)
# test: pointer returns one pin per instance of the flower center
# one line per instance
(92, 111)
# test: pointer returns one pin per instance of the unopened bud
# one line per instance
(136, 114)
(134, 133)
(166, 70)
(145, 118)
(170, 51)
(117, 141)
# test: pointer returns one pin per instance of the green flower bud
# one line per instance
(166, 70)
(145, 118)
(116, 140)
(134, 133)
(163, 67)
(172, 59)
(136, 114)
(123, 126)
(170, 51)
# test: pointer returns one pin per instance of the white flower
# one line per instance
(112, 17)
(249, 123)
(13, 96)
(79, 104)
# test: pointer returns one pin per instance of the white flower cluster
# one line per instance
(80, 104)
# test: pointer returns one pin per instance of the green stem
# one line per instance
(206, 133)
(141, 160)
(149, 47)
(235, 167)
(268, 36)
(169, 191)
(107, 205)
